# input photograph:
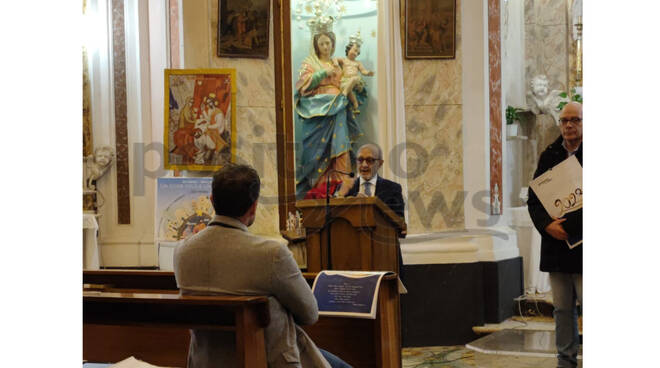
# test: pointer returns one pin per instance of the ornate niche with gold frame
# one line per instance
(326, 59)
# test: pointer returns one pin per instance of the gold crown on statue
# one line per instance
(320, 23)
(355, 38)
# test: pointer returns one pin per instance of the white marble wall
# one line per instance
(546, 52)
(546, 42)
(514, 87)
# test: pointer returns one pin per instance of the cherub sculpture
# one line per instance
(543, 102)
(351, 68)
(97, 164)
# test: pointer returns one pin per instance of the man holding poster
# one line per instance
(562, 262)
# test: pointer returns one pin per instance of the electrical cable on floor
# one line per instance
(524, 322)
(530, 294)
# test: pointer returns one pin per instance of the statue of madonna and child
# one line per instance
(328, 93)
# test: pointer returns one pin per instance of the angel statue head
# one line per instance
(103, 156)
(539, 85)
(98, 164)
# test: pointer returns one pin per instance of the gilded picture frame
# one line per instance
(430, 29)
(200, 119)
(243, 28)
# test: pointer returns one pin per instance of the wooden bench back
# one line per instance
(142, 315)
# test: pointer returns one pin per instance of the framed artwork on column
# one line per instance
(200, 119)
(243, 28)
(430, 29)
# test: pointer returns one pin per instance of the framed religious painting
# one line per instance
(243, 28)
(200, 119)
(430, 29)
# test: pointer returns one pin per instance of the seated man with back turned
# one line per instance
(225, 259)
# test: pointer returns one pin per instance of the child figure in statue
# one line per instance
(351, 78)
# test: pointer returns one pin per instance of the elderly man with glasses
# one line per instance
(369, 184)
(563, 264)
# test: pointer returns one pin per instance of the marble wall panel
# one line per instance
(533, 55)
(175, 55)
(255, 77)
(255, 84)
(551, 12)
(435, 168)
(195, 35)
(435, 81)
(255, 105)
(546, 48)
(547, 132)
(530, 149)
(530, 12)
(256, 146)
(432, 82)
(433, 103)
(555, 56)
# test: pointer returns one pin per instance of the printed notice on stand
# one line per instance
(347, 293)
(560, 191)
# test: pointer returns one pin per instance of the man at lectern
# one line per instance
(563, 263)
(368, 184)
(225, 259)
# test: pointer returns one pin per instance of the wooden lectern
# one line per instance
(363, 232)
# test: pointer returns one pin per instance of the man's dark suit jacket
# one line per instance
(390, 193)
(387, 191)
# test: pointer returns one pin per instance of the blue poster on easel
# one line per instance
(183, 208)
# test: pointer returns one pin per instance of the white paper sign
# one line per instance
(560, 188)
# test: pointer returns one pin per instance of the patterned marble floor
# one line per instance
(438, 356)
(507, 348)
(461, 357)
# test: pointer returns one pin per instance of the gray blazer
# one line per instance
(232, 261)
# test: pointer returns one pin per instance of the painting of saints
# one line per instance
(199, 135)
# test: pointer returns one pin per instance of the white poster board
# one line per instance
(560, 188)
(560, 191)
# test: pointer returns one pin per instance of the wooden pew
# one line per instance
(154, 326)
(363, 343)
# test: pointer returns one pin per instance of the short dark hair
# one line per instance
(330, 35)
(235, 188)
(349, 46)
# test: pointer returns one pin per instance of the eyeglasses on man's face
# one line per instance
(368, 160)
(574, 120)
